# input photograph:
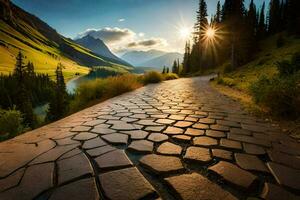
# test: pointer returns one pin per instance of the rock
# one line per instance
(94, 122)
(215, 134)
(100, 150)
(285, 175)
(253, 149)
(97, 142)
(201, 126)
(205, 141)
(182, 138)
(249, 139)
(113, 160)
(82, 189)
(161, 164)
(233, 174)
(274, 192)
(285, 159)
(73, 167)
(11, 180)
(165, 121)
(169, 148)
(173, 131)
(125, 184)
(116, 138)
(207, 121)
(154, 128)
(136, 134)
(250, 162)
(85, 136)
(157, 137)
(196, 187)
(231, 144)
(217, 127)
(197, 154)
(183, 124)
(141, 146)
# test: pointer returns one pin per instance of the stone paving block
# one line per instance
(182, 138)
(159, 164)
(100, 150)
(102, 130)
(116, 138)
(73, 167)
(228, 123)
(205, 141)
(28, 190)
(157, 137)
(215, 134)
(240, 131)
(94, 122)
(96, 142)
(85, 136)
(141, 146)
(11, 180)
(217, 127)
(223, 154)
(183, 124)
(200, 126)
(137, 134)
(250, 162)
(82, 189)
(154, 128)
(195, 186)
(80, 129)
(126, 184)
(113, 160)
(234, 174)
(249, 139)
(253, 149)
(173, 131)
(70, 154)
(197, 154)
(285, 175)
(194, 132)
(207, 121)
(169, 148)
(274, 192)
(285, 159)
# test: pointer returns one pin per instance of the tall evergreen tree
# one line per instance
(175, 67)
(186, 59)
(59, 102)
(261, 30)
(274, 17)
(218, 14)
(293, 16)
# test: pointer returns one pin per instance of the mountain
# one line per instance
(138, 57)
(164, 60)
(98, 47)
(41, 44)
(152, 58)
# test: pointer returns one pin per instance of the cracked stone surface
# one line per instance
(178, 139)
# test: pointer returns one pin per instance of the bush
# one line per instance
(226, 81)
(10, 123)
(287, 68)
(280, 41)
(170, 76)
(280, 95)
(152, 77)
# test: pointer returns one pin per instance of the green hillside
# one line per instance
(264, 63)
(42, 45)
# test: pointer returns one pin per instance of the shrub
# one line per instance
(152, 77)
(170, 76)
(287, 68)
(280, 95)
(226, 81)
(280, 41)
(10, 123)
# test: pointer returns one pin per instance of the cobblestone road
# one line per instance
(175, 140)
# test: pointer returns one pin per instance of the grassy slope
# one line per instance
(264, 63)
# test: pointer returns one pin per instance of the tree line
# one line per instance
(25, 89)
(236, 32)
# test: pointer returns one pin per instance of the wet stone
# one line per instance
(73, 167)
(125, 184)
(215, 134)
(253, 149)
(85, 136)
(183, 124)
(274, 192)
(194, 132)
(182, 138)
(169, 148)
(141, 146)
(116, 138)
(205, 141)
(173, 131)
(223, 154)
(250, 162)
(82, 189)
(113, 160)
(231, 144)
(100, 150)
(234, 174)
(200, 126)
(161, 164)
(96, 142)
(195, 186)
(285, 159)
(157, 137)
(285, 175)
(136, 134)
(197, 154)
(80, 129)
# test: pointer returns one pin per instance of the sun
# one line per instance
(184, 32)
(210, 33)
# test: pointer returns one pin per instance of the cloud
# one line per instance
(110, 35)
(148, 43)
(141, 34)
(121, 20)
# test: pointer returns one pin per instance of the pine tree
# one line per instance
(167, 71)
(186, 59)
(293, 16)
(274, 17)
(59, 102)
(164, 70)
(175, 67)
(24, 102)
(261, 30)
(218, 14)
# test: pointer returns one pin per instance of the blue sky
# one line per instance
(144, 19)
